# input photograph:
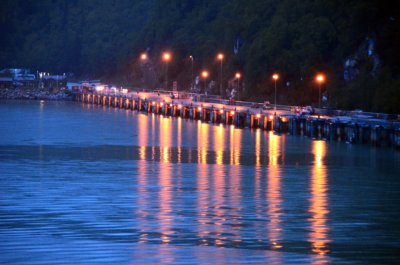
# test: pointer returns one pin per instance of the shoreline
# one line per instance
(35, 94)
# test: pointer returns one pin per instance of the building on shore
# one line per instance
(54, 83)
(19, 76)
(6, 82)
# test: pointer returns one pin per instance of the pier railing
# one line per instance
(218, 100)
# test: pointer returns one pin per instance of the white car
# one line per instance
(307, 110)
(267, 105)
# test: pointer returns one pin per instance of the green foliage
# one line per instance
(102, 39)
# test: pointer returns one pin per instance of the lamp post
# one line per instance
(166, 57)
(191, 76)
(143, 60)
(220, 57)
(238, 76)
(320, 78)
(275, 77)
(204, 74)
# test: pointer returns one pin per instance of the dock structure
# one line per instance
(359, 129)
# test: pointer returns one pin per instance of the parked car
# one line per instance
(266, 105)
(307, 110)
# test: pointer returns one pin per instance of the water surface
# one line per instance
(93, 185)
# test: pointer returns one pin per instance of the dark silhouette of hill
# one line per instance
(355, 43)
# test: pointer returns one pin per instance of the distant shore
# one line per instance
(34, 94)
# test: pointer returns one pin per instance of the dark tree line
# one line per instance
(103, 39)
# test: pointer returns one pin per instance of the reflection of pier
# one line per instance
(357, 129)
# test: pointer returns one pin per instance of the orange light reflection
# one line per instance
(258, 147)
(142, 177)
(202, 142)
(219, 144)
(179, 139)
(236, 202)
(219, 212)
(165, 181)
(165, 139)
(142, 135)
(274, 196)
(204, 228)
(235, 140)
(319, 202)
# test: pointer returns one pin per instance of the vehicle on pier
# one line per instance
(266, 105)
(307, 110)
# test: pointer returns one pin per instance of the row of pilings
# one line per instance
(375, 133)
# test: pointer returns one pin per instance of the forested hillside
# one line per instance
(355, 43)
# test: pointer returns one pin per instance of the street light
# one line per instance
(275, 77)
(320, 79)
(166, 57)
(191, 79)
(220, 57)
(143, 57)
(238, 76)
(204, 74)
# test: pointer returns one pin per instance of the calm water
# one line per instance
(91, 185)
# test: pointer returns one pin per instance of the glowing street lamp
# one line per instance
(220, 57)
(143, 57)
(166, 58)
(238, 76)
(320, 79)
(204, 74)
(275, 77)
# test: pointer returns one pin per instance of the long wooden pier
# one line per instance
(355, 130)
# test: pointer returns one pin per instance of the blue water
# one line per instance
(94, 185)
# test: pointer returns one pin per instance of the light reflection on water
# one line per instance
(165, 199)
(274, 199)
(319, 236)
(127, 188)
